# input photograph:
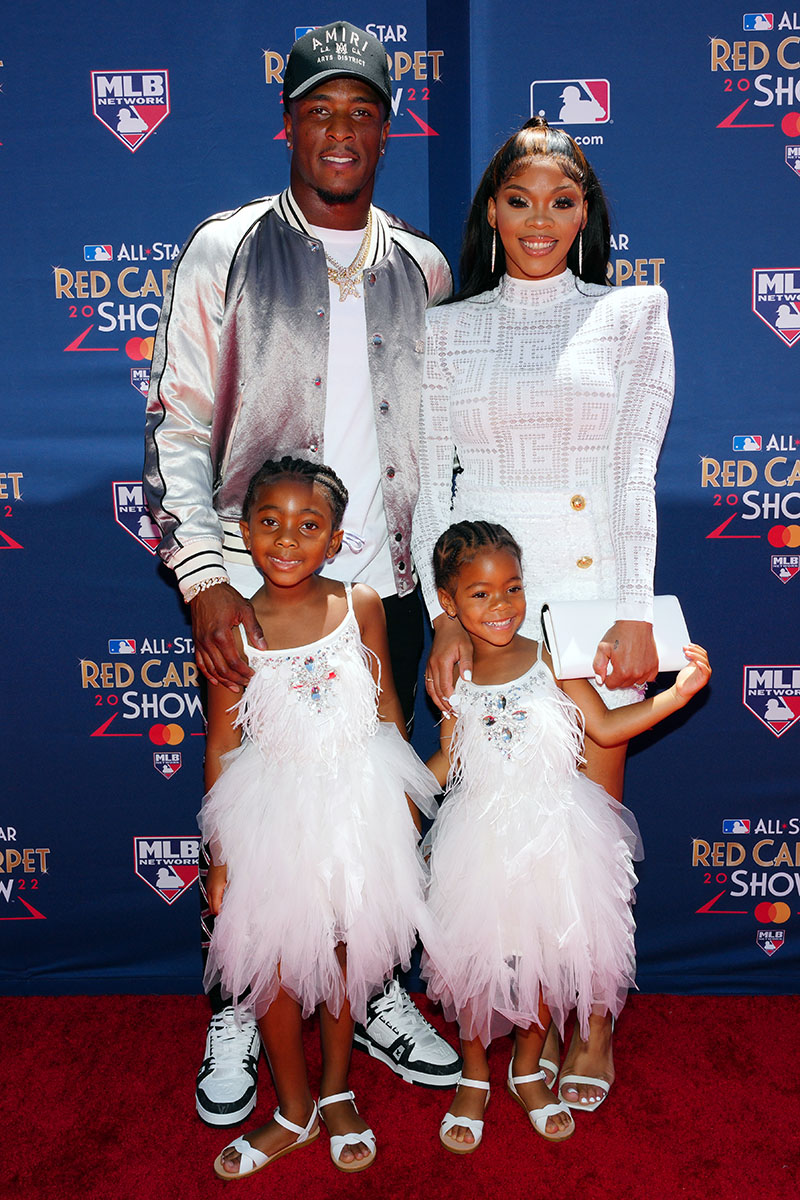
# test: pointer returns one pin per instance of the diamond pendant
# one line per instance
(348, 286)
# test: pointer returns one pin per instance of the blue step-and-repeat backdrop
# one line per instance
(125, 125)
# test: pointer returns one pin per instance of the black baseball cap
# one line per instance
(334, 50)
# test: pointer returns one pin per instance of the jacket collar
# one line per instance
(289, 210)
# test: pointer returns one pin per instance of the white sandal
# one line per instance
(584, 1105)
(538, 1116)
(340, 1140)
(253, 1160)
(475, 1126)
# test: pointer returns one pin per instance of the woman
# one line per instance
(552, 391)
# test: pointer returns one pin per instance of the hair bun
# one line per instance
(536, 122)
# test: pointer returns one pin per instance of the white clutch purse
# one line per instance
(572, 629)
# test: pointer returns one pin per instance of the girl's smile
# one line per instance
(537, 213)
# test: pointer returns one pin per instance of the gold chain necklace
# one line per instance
(348, 278)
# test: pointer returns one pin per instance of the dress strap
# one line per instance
(539, 650)
(348, 591)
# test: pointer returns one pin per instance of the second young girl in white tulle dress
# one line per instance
(531, 863)
(316, 875)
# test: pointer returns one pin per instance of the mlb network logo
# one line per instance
(131, 104)
(753, 21)
(132, 513)
(776, 300)
(571, 101)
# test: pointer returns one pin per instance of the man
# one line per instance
(269, 345)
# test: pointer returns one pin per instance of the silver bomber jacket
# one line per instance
(239, 373)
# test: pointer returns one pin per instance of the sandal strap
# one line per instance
(250, 1156)
(515, 1079)
(302, 1131)
(603, 1084)
(449, 1120)
(340, 1140)
(483, 1084)
(323, 1100)
(539, 1115)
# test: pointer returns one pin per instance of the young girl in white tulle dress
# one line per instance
(316, 877)
(531, 862)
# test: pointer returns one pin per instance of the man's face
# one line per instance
(336, 132)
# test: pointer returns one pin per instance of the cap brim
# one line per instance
(338, 73)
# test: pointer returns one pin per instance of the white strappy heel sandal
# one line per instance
(340, 1140)
(538, 1116)
(475, 1126)
(253, 1160)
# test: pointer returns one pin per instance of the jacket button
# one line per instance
(383, 407)
(317, 380)
(371, 279)
(314, 246)
(377, 340)
(578, 503)
(584, 561)
(390, 472)
(398, 537)
(313, 447)
(320, 312)
(401, 566)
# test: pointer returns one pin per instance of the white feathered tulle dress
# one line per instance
(531, 867)
(311, 818)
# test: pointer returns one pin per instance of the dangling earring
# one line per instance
(494, 250)
(580, 254)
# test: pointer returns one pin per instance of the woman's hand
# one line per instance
(694, 677)
(216, 882)
(451, 647)
(626, 656)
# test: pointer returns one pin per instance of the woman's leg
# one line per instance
(594, 1057)
(337, 1043)
(281, 1030)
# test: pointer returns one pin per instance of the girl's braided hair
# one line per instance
(463, 542)
(300, 468)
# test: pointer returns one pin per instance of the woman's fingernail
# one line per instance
(467, 675)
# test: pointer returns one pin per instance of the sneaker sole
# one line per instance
(407, 1073)
(223, 1120)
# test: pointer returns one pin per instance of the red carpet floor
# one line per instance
(96, 1101)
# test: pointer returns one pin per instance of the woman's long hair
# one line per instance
(534, 140)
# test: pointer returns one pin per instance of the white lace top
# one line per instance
(555, 397)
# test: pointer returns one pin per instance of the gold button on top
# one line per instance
(584, 561)
(578, 503)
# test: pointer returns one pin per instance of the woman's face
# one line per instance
(537, 213)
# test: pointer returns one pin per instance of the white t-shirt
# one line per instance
(350, 438)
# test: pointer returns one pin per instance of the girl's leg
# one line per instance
(594, 1057)
(281, 1030)
(470, 1102)
(337, 1043)
(528, 1044)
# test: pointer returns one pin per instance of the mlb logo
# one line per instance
(770, 940)
(97, 253)
(131, 512)
(736, 825)
(302, 30)
(772, 693)
(747, 441)
(168, 865)
(776, 300)
(571, 101)
(121, 646)
(131, 104)
(793, 159)
(140, 379)
(167, 762)
(757, 21)
(785, 566)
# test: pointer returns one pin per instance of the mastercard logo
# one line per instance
(166, 735)
(773, 914)
(139, 348)
(791, 124)
(784, 535)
